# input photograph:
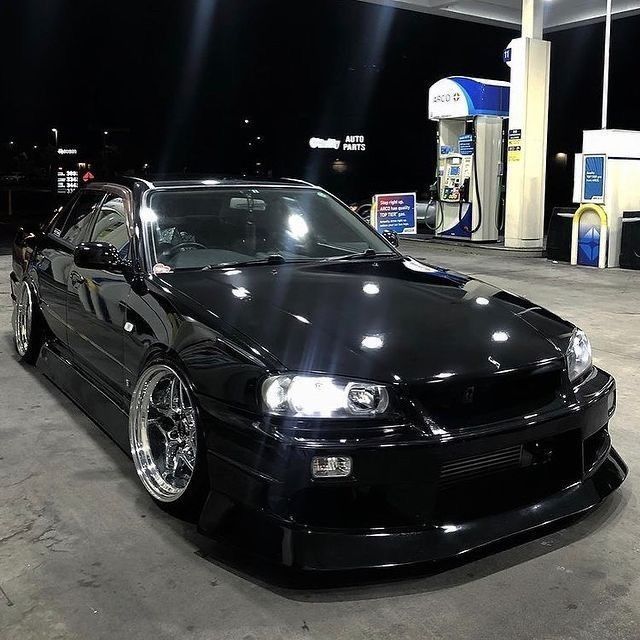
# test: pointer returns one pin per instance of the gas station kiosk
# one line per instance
(606, 185)
(470, 113)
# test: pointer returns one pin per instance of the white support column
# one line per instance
(532, 19)
(605, 81)
(528, 125)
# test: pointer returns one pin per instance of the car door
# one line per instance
(95, 306)
(52, 263)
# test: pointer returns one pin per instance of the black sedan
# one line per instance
(278, 370)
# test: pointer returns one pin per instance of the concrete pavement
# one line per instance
(85, 554)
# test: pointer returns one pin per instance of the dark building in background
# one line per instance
(241, 86)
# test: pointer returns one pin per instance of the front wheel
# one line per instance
(27, 331)
(166, 442)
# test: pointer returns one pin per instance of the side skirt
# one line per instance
(93, 401)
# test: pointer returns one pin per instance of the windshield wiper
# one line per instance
(368, 253)
(273, 259)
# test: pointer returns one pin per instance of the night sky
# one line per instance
(173, 80)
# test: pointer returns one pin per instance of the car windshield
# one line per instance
(213, 227)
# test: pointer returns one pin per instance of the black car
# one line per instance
(280, 371)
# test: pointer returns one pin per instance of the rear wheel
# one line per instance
(27, 332)
(166, 441)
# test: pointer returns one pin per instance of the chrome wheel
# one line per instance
(23, 320)
(163, 433)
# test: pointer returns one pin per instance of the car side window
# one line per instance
(60, 216)
(80, 215)
(111, 223)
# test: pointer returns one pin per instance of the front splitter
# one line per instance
(307, 549)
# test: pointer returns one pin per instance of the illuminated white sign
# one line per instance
(68, 180)
(62, 151)
(324, 143)
(351, 143)
(354, 143)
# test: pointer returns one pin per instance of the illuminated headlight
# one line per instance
(323, 397)
(578, 355)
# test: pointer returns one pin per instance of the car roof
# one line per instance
(138, 184)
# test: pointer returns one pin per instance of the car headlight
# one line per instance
(578, 355)
(308, 396)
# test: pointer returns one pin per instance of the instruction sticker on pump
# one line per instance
(514, 148)
(394, 212)
(467, 145)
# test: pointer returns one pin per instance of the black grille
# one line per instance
(458, 404)
(472, 467)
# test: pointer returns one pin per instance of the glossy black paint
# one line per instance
(100, 256)
(436, 332)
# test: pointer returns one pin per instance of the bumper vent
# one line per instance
(465, 469)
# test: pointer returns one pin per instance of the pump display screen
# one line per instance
(454, 171)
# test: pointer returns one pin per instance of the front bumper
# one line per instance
(414, 501)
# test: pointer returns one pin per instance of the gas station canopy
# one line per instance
(559, 14)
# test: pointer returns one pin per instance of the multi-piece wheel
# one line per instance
(166, 443)
(27, 332)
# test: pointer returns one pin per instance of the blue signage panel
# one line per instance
(466, 145)
(594, 178)
(396, 212)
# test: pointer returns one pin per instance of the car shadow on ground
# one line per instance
(349, 586)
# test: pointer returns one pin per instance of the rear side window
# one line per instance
(61, 215)
(80, 215)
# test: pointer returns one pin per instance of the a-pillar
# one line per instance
(529, 58)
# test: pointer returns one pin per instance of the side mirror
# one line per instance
(391, 237)
(98, 255)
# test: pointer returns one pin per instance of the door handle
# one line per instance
(76, 279)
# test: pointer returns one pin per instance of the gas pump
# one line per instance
(470, 171)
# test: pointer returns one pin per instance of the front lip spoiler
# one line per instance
(317, 550)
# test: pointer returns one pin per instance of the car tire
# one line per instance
(166, 439)
(27, 325)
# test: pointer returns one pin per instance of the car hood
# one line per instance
(387, 320)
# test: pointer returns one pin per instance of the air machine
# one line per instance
(470, 113)
(606, 185)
